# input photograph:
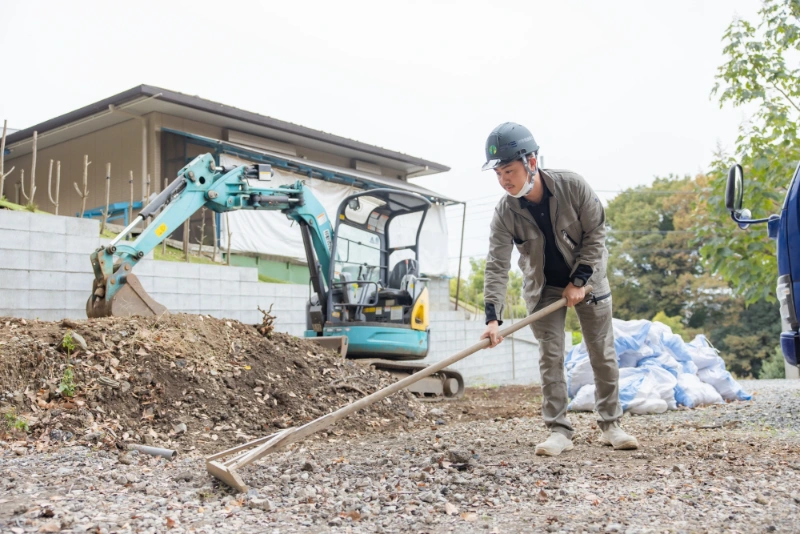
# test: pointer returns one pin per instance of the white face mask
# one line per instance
(528, 187)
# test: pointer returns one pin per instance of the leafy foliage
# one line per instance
(68, 343)
(654, 267)
(15, 422)
(760, 72)
(773, 366)
(657, 273)
(67, 386)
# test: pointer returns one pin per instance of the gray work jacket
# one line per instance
(578, 220)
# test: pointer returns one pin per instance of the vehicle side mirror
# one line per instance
(734, 190)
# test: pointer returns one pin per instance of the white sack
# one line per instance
(691, 392)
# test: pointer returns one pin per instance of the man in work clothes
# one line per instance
(556, 222)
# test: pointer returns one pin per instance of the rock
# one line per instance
(261, 504)
(436, 412)
(122, 480)
(427, 496)
(690, 446)
(185, 476)
(129, 458)
(307, 466)
(93, 437)
(335, 522)
(760, 499)
(410, 414)
(179, 429)
(459, 456)
(77, 338)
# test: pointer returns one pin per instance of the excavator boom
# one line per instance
(116, 290)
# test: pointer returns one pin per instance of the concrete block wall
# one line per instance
(511, 362)
(439, 290)
(224, 292)
(44, 265)
(45, 273)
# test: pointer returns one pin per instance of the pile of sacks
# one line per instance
(658, 371)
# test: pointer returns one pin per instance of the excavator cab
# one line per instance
(377, 297)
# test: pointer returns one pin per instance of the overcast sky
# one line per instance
(616, 91)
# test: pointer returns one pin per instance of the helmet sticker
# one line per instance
(492, 150)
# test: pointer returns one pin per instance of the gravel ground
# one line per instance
(727, 468)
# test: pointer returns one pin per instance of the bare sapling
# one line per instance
(85, 193)
(146, 198)
(130, 206)
(164, 242)
(186, 227)
(3, 175)
(214, 229)
(202, 233)
(108, 192)
(228, 228)
(32, 191)
(58, 184)
(31, 205)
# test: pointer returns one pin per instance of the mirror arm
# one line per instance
(746, 221)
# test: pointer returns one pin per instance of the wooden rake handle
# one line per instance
(291, 435)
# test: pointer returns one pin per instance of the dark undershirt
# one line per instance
(556, 269)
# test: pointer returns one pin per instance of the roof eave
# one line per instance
(209, 106)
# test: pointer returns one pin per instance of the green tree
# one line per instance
(657, 273)
(761, 71)
(773, 366)
(653, 264)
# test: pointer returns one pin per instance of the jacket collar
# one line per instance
(516, 205)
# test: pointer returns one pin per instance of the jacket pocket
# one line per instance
(571, 235)
(525, 247)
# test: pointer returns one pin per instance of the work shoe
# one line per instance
(555, 445)
(618, 438)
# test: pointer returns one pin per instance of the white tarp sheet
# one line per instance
(272, 233)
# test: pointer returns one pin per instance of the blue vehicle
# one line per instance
(785, 230)
(367, 298)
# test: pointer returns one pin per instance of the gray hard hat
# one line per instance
(508, 142)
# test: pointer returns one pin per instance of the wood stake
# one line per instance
(108, 190)
(186, 227)
(164, 243)
(85, 193)
(228, 228)
(146, 199)
(3, 174)
(214, 228)
(130, 206)
(33, 167)
(202, 232)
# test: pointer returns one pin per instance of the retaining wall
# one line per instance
(45, 274)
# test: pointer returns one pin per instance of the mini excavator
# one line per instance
(367, 296)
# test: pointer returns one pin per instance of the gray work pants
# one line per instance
(598, 335)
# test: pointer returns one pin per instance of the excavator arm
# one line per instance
(116, 290)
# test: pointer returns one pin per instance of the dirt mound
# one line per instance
(182, 381)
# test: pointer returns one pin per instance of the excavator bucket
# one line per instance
(132, 299)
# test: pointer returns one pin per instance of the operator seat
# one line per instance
(395, 291)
